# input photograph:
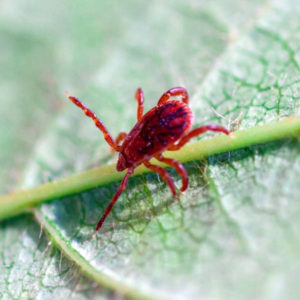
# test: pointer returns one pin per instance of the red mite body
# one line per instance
(167, 126)
(154, 133)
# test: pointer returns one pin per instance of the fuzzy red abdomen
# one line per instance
(158, 129)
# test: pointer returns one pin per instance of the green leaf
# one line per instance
(31, 268)
(235, 233)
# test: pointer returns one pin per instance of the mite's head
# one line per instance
(122, 163)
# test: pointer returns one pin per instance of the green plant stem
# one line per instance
(20, 201)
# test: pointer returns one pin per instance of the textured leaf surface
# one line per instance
(236, 232)
(31, 268)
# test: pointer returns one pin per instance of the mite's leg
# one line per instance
(198, 131)
(120, 138)
(164, 174)
(109, 139)
(115, 198)
(177, 91)
(139, 96)
(179, 168)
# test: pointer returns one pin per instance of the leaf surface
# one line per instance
(235, 234)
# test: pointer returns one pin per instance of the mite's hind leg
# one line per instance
(179, 168)
(164, 174)
(139, 96)
(115, 198)
(177, 91)
(198, 131)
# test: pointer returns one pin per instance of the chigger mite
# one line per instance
(167, 126)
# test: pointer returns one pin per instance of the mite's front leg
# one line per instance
(109, 139)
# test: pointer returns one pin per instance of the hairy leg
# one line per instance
(179, 168)
(198, 131)
(109, 139)
(139, 96)
(177, 91)
(115, 198)
(164, 174)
